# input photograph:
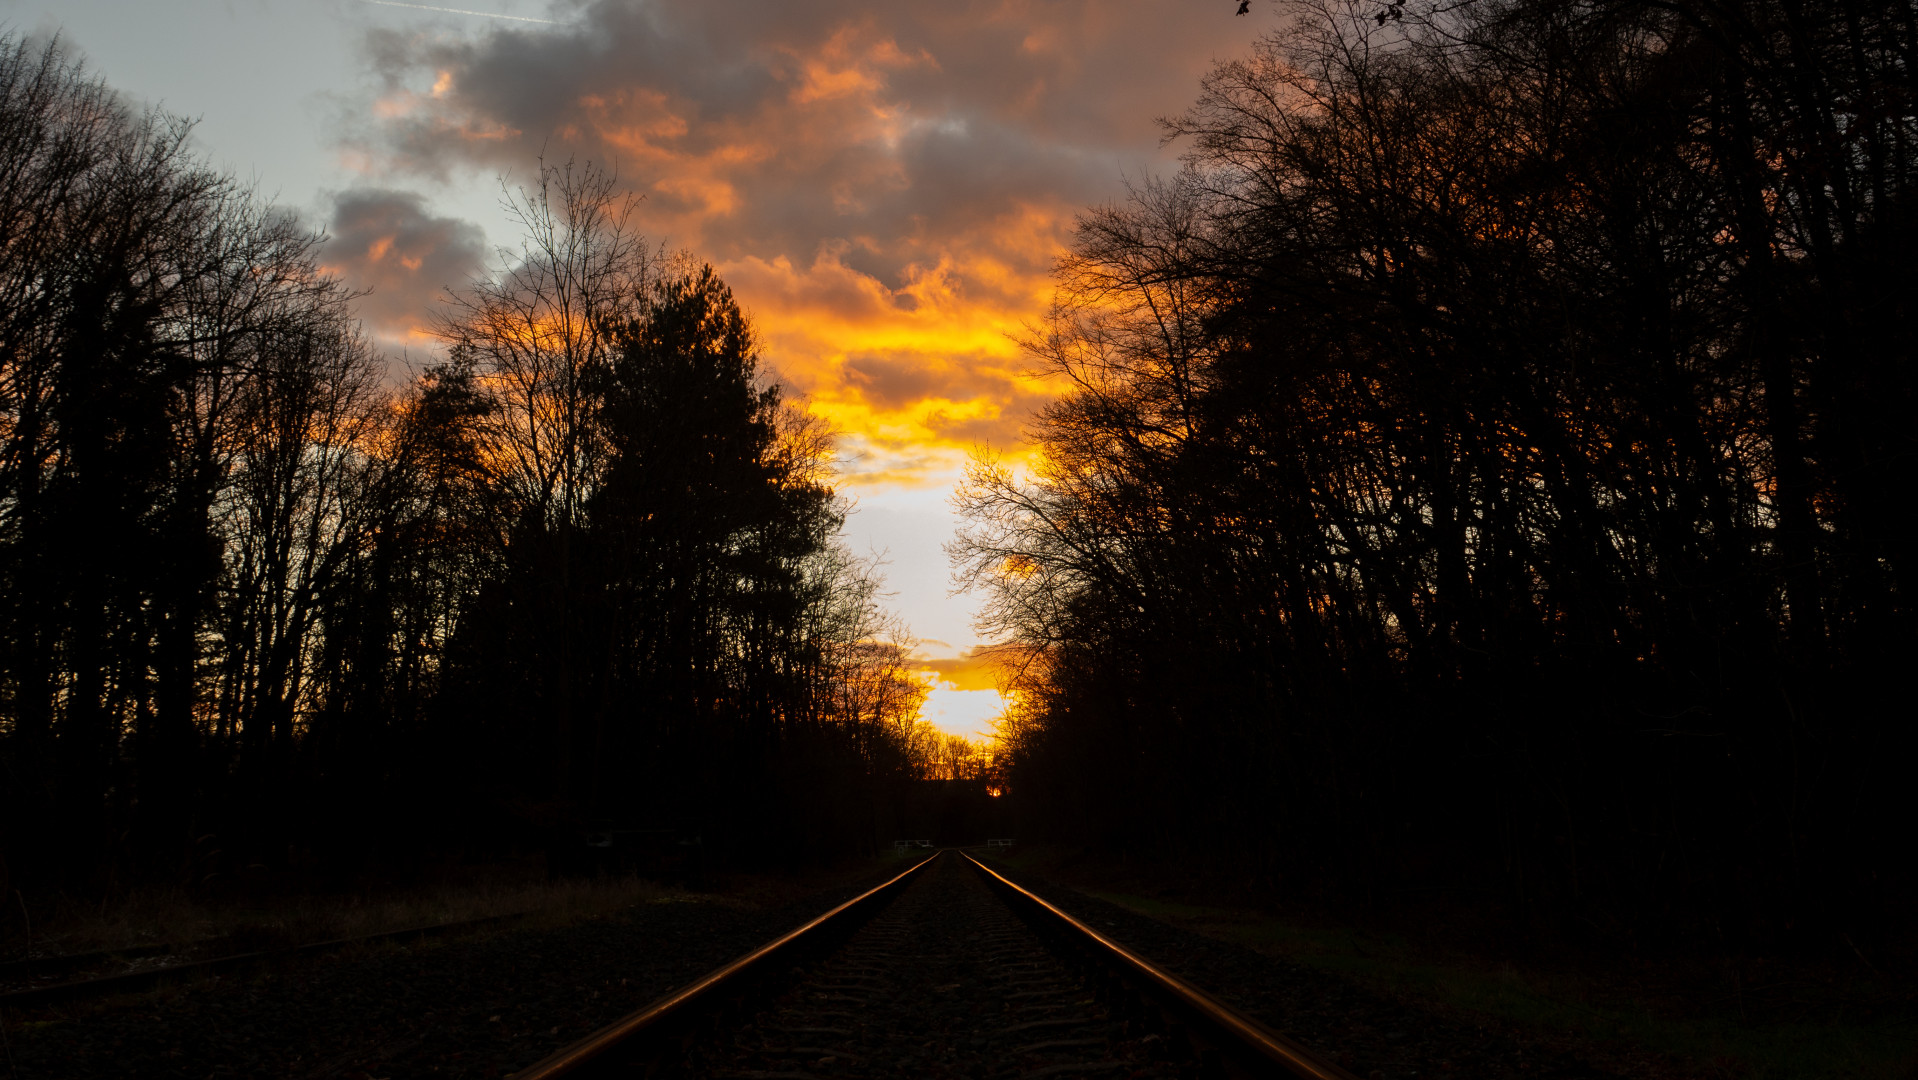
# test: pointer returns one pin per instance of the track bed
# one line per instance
(946, 982)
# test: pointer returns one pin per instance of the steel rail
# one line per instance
(622, 1036)
(1239, 1031)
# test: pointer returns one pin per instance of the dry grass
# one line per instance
(1736, 1017)
(273, 918)
(267, 914)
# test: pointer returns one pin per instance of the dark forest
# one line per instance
(1485, 467)
(1488, 467)
(261, 605)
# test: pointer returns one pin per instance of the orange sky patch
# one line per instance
(974, 669)
(916, 376)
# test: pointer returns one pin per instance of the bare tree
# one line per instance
(542, 331)
(1472, 405)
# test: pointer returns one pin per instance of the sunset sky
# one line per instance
(885, 186)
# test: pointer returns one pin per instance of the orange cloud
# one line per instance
(919, 374)
(975, 669)
(886, 187)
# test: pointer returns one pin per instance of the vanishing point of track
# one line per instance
(948, 970)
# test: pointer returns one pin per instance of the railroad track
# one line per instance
(948, 970)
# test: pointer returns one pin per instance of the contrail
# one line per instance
(460, 11)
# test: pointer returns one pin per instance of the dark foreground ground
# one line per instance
(479, 1005)
(485, 1004)
(1370, 1033)
(1432, 984)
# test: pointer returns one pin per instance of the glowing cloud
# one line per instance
(885, 186)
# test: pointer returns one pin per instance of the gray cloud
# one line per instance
(768, 127)
(388, 244)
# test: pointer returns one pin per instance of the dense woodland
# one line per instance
(268, 600)
(1486, 473)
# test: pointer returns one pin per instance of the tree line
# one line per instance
(262, 602)
(1487, 468)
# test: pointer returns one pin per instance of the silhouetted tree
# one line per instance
(1460, 467)
(256, 604)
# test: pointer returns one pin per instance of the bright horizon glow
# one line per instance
(962, 712)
